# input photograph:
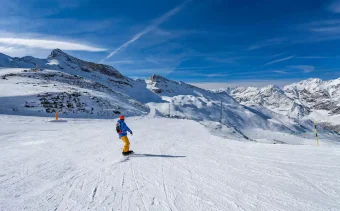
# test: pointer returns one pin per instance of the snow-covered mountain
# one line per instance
(59, 60)
(316, 94)
(69, 85)
(322, 97)
(77, 88)
(270, 97)
(42, 92)
(113, 93)
(312, 99)
(186, 101)
(64, 61)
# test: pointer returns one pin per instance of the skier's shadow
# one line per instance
(160, 156)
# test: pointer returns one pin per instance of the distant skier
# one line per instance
(122, 130)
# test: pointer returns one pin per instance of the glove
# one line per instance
(131, 133)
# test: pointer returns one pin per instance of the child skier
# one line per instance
(122, 130)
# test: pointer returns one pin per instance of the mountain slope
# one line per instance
(311, 99)
(66, 62)
(271, 97)
(78, 88)
(323, 99)
(186, 101)
(127, 95)
(77, 165)
(42, 92)
(316, 94)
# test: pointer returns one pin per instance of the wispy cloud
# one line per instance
(124, 62)
(48, 44)
(230, 60)
(280, 71)
(217, 75)
(327, 29)
(211, 75)
(22, 51)
(147, 71)
(312, 57)
(324, 27)
(324, 22)
(266, 43)
(279, 60)
(178, 68)
(149, 28)
(277, 55)
(223, 60)
(157, 61)
(304, 68)
(334, 6)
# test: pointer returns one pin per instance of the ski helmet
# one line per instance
(122, 117)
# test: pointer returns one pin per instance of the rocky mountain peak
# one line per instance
(67, 61)
(157, 78)
(314, 80)
(272, 89)
(57, 53)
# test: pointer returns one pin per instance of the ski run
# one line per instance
(76, 164)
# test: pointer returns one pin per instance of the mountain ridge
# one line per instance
(85, 89)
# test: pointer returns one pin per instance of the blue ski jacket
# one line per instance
(124, 128)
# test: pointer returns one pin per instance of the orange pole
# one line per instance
(56, 116)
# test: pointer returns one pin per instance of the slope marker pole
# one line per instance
(316, 134)
(221, 116)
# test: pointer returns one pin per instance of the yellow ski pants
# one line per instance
(126, 143)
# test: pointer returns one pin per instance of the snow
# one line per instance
(257, 152)
(77, 165)
(78, 88)
(271, 97)
(181, 100)
(53, 62)
(21, 92)
(315, 93)
(42, 92)
(299, 101)
(302, 138)
(323, 116)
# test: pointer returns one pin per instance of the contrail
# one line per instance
(279, 60)
(151, 27)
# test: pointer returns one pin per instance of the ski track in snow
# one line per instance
(77, 165)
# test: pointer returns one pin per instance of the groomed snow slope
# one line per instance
(77, 165)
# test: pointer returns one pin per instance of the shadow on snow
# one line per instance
(161, 156)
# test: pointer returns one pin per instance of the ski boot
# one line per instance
(125, 153)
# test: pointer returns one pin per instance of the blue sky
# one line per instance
(211, 43)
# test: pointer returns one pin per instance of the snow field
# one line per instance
(77, 165)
